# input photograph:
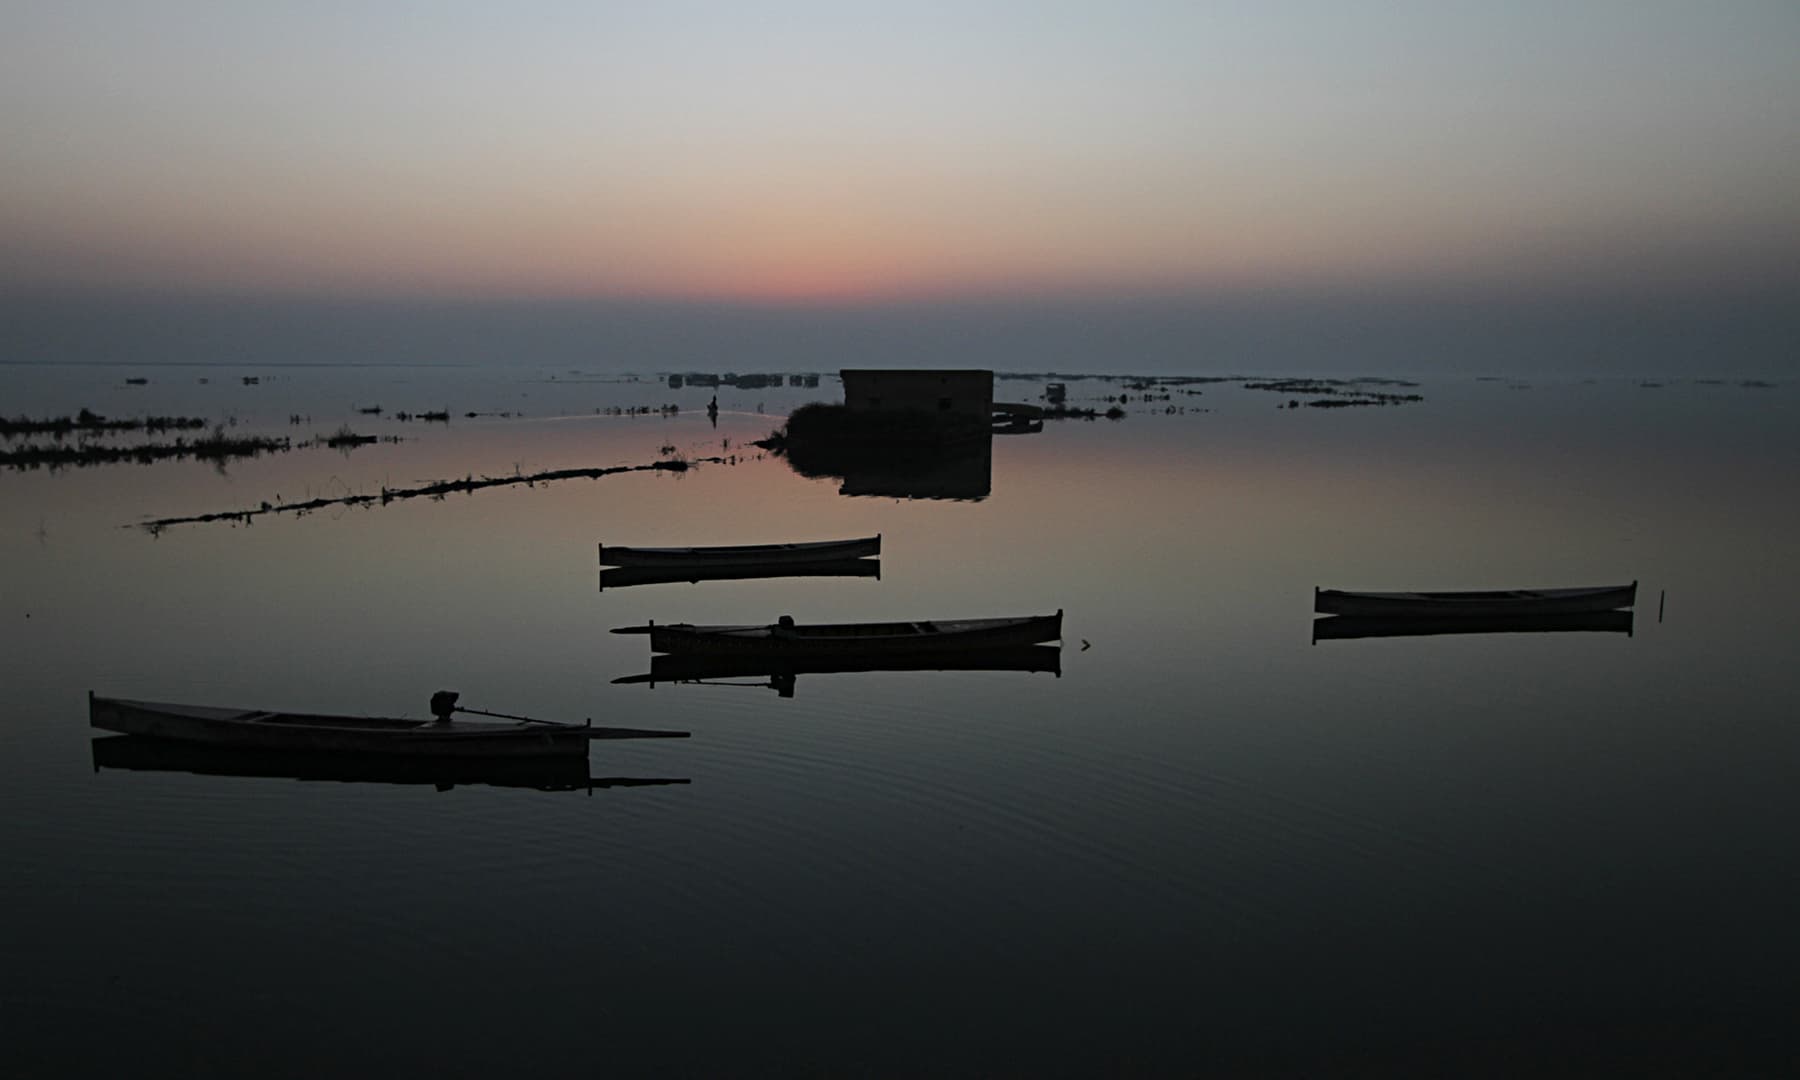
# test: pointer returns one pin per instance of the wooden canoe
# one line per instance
(830, 639)
(315, 733)
(741, 554)
(1470, 604)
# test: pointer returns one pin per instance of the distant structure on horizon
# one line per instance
(957, 391)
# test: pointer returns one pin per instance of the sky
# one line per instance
(1141, 184)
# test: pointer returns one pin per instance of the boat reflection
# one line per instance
(780, 673)
(623, 577)
(143, 753)
(1344, 627)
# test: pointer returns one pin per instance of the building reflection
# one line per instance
(958, 468)
(780, 674)
(141, 753)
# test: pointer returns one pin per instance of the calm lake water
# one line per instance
(1206, 844)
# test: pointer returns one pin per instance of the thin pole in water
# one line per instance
(1661, 599)
(505, 716)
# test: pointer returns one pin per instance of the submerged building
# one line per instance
(956, 391)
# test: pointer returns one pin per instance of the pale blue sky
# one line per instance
(849, 153)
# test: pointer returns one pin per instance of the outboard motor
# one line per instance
(443, 703)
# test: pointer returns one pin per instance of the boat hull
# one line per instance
(305, 733)
(1474, 604)
(742, 554)
(857, 639)
(700, 667)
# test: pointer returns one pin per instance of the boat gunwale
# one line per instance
(1484, 601)
(924, 634)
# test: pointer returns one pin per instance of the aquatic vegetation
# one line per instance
(436, 490)
(87, 421)
(1342, 393)
(216, 447)
(345, 438)
(1371, 399)
(1357, 387)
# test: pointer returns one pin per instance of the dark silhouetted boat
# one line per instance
(443, 736)
(741, 554)
(830, 639)
(1343, 627)
(1465, 604)
(781, 671)
(566, 772)
(622, 577)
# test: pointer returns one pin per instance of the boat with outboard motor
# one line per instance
(446, 735)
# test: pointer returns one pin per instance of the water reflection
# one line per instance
(780, 673)
(141, 753)
(960, 468)
(1344, 627)
(622, 577)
